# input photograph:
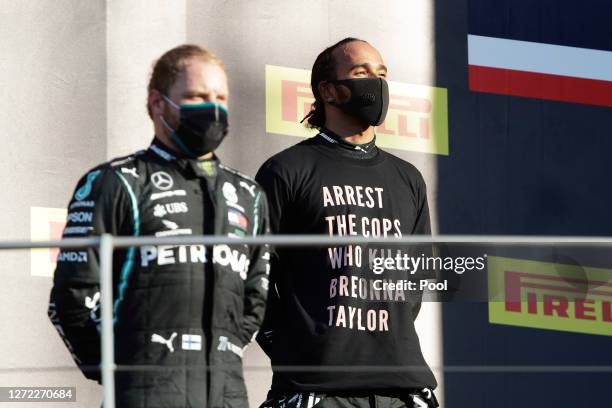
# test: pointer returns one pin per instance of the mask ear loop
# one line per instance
(166, 124)
(174, 105)
(335, 83)
(312, 111)
(163, 120)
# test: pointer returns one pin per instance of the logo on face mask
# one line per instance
(202, 127)
(367, 99)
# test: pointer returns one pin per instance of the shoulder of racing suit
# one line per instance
(244, 181)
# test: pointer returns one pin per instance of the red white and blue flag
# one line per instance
(549, 49)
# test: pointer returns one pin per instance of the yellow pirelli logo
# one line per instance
(47, 224)
(550, 296)
(417, 119)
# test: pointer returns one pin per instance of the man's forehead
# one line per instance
(197, 71)
(356, 53)
(200, 67)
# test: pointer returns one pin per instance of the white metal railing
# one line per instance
(107, 244)
(310, 240)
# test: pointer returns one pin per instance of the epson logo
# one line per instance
(172, 254)
(77, 257)
(80, 217)
(225, 256)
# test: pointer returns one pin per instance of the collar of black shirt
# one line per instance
(346, 148)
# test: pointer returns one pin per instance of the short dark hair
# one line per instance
(323, 69)
(170, 65)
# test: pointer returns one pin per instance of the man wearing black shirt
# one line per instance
(329, 310)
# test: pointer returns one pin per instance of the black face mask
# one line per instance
(368, 99)
(202, 127)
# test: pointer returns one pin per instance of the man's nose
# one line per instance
(214, 97)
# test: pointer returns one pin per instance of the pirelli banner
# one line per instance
(417, 119)
(552, 296)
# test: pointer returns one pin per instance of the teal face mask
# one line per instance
(202, 127)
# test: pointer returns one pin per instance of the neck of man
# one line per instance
(349, 128)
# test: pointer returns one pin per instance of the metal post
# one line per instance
(106, 303)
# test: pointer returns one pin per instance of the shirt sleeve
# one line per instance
(422, 225)
(75, 297)
(279, 198)
(277, 192)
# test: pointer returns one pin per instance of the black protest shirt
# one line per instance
(329, 309)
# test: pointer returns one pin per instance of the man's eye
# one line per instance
(360, 73)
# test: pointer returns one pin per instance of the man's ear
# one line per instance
(327, 91)
(155, 103)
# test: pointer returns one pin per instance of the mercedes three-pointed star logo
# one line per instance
(162, 180)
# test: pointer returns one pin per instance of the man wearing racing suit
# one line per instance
(336, 335)
(183, 311)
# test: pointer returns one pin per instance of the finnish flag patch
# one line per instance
(191, 342)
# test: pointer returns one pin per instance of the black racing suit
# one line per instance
(179, 311)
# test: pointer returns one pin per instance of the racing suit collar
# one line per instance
(201, 168)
